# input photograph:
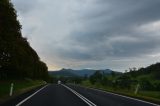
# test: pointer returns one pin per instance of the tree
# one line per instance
(17, 58)
(105, 81)
(146, 84)
(113, 74)
(124, 81)
(96, 77)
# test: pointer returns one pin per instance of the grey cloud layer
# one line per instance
(24, 6)
(93, 33)
(115, 36)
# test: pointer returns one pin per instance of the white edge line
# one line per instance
(20, 103)
(122, 96)
(80, 96)
(128, 97)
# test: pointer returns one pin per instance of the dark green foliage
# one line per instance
(99, 77)
(148, 78)
(146, 85)
(96, 77)
(157, 86)
(105, 81)
(92, 80)
(157, 74)
(77, 80)
(153, 69)
(124, 82)
(149, 85)
(113, 74)
(17, 59)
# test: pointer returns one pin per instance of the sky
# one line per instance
(95, 34)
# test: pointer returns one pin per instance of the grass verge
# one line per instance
(19, 88)
(150, 96)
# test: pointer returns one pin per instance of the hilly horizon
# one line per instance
(79, 73)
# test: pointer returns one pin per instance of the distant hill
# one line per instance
(150, 72)
(89, 72)
(80, 73)
(63, 72)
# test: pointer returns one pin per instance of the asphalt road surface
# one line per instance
(101, 98)
(70, 95)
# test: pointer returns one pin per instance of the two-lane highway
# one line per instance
(70, 95)
(54, 95)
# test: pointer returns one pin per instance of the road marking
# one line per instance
(20, 103)
(123, 96)
(80, 96)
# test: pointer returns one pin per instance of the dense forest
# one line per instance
(18, 60)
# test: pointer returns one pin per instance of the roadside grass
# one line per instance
(151, 96)
(20, 86)
(154, 94)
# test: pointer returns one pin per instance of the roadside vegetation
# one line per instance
(143, 83)
(18, 60)
(19, 87)
(21, 65)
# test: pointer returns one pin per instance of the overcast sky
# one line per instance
(97, 34)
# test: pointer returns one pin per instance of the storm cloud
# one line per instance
(115, 34)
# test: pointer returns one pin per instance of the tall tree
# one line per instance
(17, 58)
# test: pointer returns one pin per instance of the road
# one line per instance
(70, 95)
(102, 98)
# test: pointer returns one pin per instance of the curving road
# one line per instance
(70, 95)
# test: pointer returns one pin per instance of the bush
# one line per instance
(124, 82)
(157, 86)
(96, 77)
(146, 85)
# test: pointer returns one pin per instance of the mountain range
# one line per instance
(76, 73)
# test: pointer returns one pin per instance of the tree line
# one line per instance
(18, 59)
(147, 78)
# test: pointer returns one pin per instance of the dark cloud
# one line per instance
(93, 33)
(24, 6)
(98, 31)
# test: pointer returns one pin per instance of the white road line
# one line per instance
(80, 96)
(20, 103)
(123, 96)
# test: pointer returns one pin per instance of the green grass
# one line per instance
(19, 87)
(151, 96)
